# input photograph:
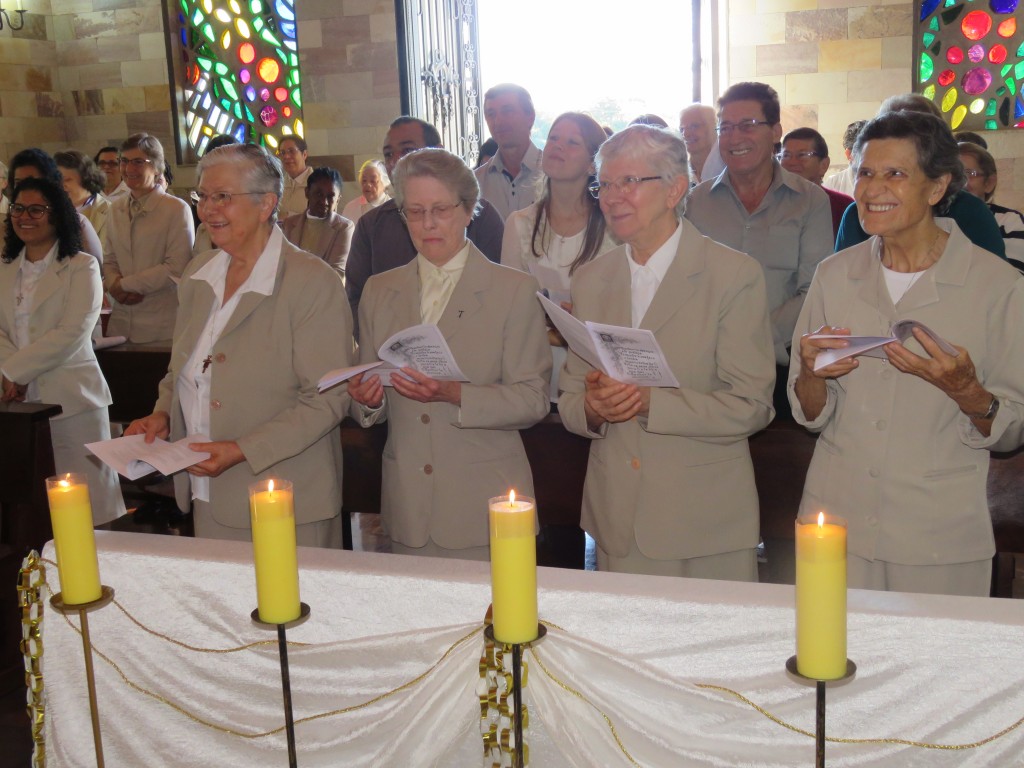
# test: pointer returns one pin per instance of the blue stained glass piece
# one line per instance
(1018, 110)
(1003, 6)
(287, 28)
(240, 133)
(285, 10)
(928, 8)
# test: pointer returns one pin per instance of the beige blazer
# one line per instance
(680, 481)
(266, 365)
(147, 252)
(97, 213)
(441, 462)
(60, 358)
(896, 457)
(334, 243)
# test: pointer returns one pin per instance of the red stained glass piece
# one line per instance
(280, 94)
(269, 116)
(193, 74)
(1007, 27)
(954, 54)
(997, 54)
(246, 53)
(976, 53)
(976, 25)
(947, 77)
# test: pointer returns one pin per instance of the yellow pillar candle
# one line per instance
(821, 596)
(514, 568)
(272, 513)
(71, 517)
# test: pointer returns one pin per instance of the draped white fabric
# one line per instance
(931, 669)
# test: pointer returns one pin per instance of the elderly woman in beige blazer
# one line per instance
(451, 445)
(904, 447)
(148, 243)
(50, 298)
(319, 230)
(670, 484)
(260, 323)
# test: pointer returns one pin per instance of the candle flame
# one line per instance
(63, 483)
(511, 498)
(821, 519)
(270, 486)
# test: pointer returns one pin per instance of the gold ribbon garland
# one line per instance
(497, 706)
(33, 581)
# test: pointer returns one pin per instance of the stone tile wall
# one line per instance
(835, 61)
(86, 73)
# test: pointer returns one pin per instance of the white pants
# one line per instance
(69, 436)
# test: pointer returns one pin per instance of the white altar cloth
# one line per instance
(931, 669)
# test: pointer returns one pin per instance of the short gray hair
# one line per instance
(379, 166)
(660, 148)
(438, 164)
(260, 170)
(150, 146)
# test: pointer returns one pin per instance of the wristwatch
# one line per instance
(993, 409)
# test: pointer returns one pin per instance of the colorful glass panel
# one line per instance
(970, 61)
(233, 49)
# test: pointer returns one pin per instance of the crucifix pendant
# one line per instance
(206, 362)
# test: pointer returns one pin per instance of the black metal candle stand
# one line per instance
(819, 719)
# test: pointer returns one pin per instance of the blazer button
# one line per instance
(425, 418)
(215, 405)
(427, 470)
(220, 357)
(635, 463)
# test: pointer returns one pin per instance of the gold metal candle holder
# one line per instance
(286, 682)
(83, 609)
(819, 718)
(519, 754)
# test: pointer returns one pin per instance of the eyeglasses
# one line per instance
(974, 173)
(34, 211)
(627, 185)
(218, 199)
(108, 163)
(135, 162)
(805, 155)
(437, 212)
(288, 152)
(743, 126)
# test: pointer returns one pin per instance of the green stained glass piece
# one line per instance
(197, 18)
(990, 110)
(928, 39)
(237, 109)
(248, 115)
(1000, 91)
(1005, 70)
(1018, 70)
(293, 59)
(936, 47)
(927, 68)
(933, 25)
(1010, 85)
(990, 125)
(951, 15)
(269, 38)
(294, 78)
(221, 69)
(207, 30)
(258, 24)
(205, 63)
(229, 89)
(226, 104)
(184, 6)
(949, 4)
(256, 7)
(297, 98)
(1020, 50)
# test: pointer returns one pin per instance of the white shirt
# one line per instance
(438, 283)
(121, 190)
(361, 205)
(646, 279)
(294, 198)
(506, 194)
(29, 274)
(898, 283)
(841, 181)
(194, 382)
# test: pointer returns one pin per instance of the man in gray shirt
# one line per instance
(508, 181)
(757, 207)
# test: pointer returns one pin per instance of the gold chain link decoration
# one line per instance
(497, 706)
(31, 580)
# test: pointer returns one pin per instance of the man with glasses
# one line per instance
(293, 152)
(763, 210)
(109, 161)
(381, 240)
(805, 153)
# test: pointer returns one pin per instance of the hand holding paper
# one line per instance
(872, 346)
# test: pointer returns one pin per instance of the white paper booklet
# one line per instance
(338, 375)
(106, 342)
(422, 348)
(553, 282)
(629, 355)
(132, 457)
(872, 345)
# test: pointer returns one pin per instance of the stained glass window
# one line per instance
(969, 60)
(241, 71)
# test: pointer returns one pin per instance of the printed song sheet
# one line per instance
(872, 346)
(134, 458)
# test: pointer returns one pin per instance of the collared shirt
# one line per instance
(121, 190)
(842, 181)
(137, 206)
(438, 283)
(789, 233)
(294, 198)
(194, 382)
(645, 279)
(509, 194)
(29, 274)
